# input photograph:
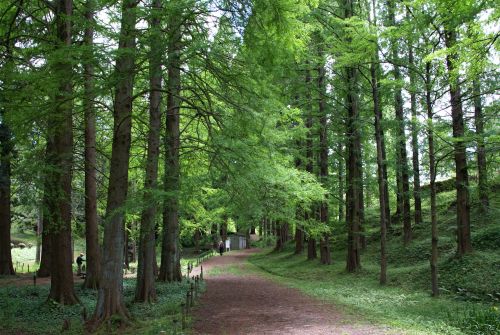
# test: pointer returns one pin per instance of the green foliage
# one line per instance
(488, 238)
(26, 309)
(475, 321)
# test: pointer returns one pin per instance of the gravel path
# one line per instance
(239, 303)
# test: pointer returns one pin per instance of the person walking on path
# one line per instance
(79, 262)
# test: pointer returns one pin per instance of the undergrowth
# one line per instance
(26, 310)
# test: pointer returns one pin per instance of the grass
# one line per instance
(470, 285)
(411, 310)
(26, 310)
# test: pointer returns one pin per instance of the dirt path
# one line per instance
(239, 303)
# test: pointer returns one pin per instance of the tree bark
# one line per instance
(91, 226)
(401, 154)
(145, 288)
(464, 244)
(340, 160)
(299, 240)
(381, 159)
(432, 170)
(110, 294)
(311, 242)
(325, 255)
(414, 136)
(60, 159)
(482, 172)
(6, 146)
(353, 168)
(170, 247)
(282, 237)
(44, 269)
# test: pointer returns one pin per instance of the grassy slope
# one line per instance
(470, 286)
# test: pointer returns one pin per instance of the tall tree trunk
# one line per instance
(223, 230)
(110, 295)
(299, 240)
(170, 247)
(401, 154)
(464, 244)
(311, 242)
(414, 136)
(381, 161)
(482, 172)
(44, 269)
(282, 238)
(145, 289)
(91, 226)
(6, 267)
(325, 256)
(353, 167)
(60, 159)
(39, 227)
(432, 170)
(340, 168)
(6, 151)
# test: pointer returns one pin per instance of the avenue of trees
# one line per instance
(163, 121)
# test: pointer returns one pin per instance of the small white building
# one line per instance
(236, 242)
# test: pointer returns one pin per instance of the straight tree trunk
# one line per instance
(91, 226)
(39, 227)
(401, 154)
(482, 172)
(432, 170)
(6, 267)
(299, 240)
(6, 151)
(311, 242)
(414, 136)
(223, 230)
(381, 161)
(325, 255)
(353, 168)
(110, 294)
(282, 237)
(60, 159)
(340, 163)
(145, 289)
(44, 269)
(170, 247)
(464, 244)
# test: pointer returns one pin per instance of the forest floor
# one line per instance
(25, 279)
(239, 299)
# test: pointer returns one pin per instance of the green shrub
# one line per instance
(477, 321)
(487, 238)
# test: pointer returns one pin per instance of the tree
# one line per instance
(110, 294)
(91, 226)
(432, 171)
(60, 160)
(311, 241)
(145, 288)
(6, 147)
(383, 189)
(170, 257)
(464, 244)
(402, 157)
(482, 172)
(353, 166)
(414, 131)
(325, 256)
(6, 151)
